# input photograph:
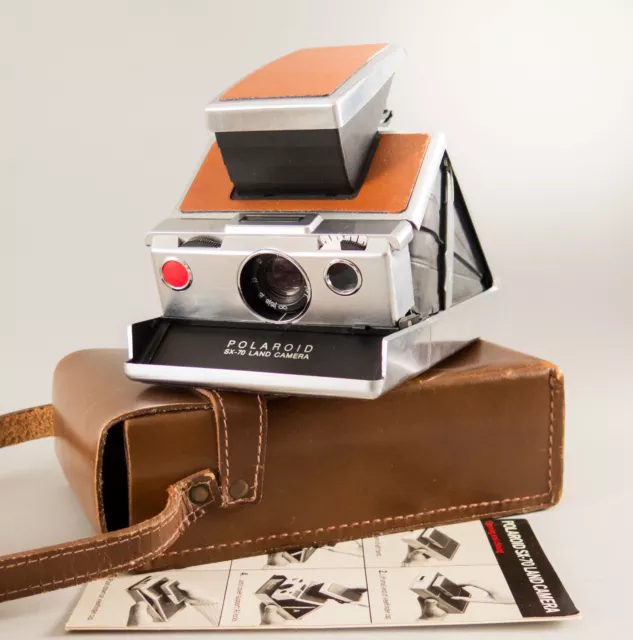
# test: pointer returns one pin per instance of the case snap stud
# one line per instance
(199, 493)
(238, 489)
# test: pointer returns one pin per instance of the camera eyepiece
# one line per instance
(274, 287)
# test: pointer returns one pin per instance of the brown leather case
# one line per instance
(480, 435)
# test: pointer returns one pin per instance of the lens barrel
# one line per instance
(274, 287)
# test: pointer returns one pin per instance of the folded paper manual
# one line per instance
(470, 573)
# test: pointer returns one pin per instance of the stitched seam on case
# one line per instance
(90, 547)
(552, 379)
(103, 572)
(225, 476)
(360, 523)
(189, 519)
(36, 559)
(411, 515)
(163, 520)
(260, 440)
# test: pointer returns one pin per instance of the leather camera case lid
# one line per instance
(479, 435)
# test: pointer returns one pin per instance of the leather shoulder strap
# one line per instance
(55, 567)
(29, 424)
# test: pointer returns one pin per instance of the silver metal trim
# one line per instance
(130, 342)
(280, 254)
(312, 221)
(449, 248)
(359, 88)
(369, 225)
(256, 381)
(184, 264)
(334, 289)
(323, 112)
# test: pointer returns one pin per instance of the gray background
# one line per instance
(102, 129)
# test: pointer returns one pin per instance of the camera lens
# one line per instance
(274, 287)
(282, 278)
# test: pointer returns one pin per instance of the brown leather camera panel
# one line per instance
(387, 187)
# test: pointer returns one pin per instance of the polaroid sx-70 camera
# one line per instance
(314, 253)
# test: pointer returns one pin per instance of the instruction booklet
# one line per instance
(489, 571)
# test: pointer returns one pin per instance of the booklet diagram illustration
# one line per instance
(469, 573)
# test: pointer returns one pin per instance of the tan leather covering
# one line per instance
(387, 187)
(480, 435)
(318, 71)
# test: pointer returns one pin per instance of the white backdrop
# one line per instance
(102, 128)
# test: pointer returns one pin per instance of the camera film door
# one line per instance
(256, 357)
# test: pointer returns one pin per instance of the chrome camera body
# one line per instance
(314, 253)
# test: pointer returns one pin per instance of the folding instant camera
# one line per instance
(301, 554)
(440, 588)
(314, 253)
(163, 595)
(433, 543)
(296, 597)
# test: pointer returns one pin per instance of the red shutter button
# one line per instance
(176, 274)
